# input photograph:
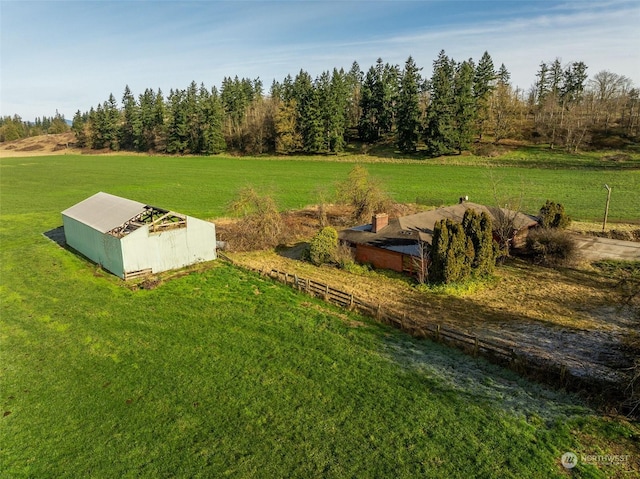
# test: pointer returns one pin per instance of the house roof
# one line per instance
(105, 212)
(402, 234)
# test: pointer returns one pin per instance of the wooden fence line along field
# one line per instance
(503, 352)
(474, 344)
(421, 329)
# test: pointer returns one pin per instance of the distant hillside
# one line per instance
(58, 144)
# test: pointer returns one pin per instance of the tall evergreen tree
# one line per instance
(111, 123)
(131, 124)
(354, 79)
(159, 122)
(78, 126)
(483, 86)
(556, 74)
(440, 121)
(379, 95)
(542, 85)
(336, 120)
(388, 97)
(368, 128)
(145, 137)
(212, 120)
(503, 76)
(465, 106)
(177, 126)
(574, 79)
(408, 112)
(309, 114)
(194, 123)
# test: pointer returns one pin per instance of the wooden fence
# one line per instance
(421, 328)
(503, 352)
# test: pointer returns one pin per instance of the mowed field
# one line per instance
(222, 373)
(204, 186)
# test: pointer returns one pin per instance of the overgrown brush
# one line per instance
(260, 226)
(552, 247)
(364, 194)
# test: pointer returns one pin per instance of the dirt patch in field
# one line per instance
(617, 231)
(58, 144)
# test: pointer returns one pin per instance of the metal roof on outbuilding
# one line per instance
(104, 212)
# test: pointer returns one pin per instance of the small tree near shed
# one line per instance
(479, 230)
(451, 253)
(552, 215)
(365, 195)
(260, 225)
(324, 246)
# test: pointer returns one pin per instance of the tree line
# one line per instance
(13, 128)
(447, 112)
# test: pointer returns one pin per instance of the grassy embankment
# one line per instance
(224, 373)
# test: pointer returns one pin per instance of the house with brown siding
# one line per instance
(397, 243)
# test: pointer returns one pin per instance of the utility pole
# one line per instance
(606, 208)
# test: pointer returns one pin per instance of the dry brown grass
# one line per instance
(590, 226)
(41, 145)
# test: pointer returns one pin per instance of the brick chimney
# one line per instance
(379, 221)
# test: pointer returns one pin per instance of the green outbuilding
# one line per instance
(132, 239)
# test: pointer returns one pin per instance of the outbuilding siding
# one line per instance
(100, 248)
(103, 229)
(169, 249)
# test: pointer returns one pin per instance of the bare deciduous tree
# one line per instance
(260, 225)
(364, 194)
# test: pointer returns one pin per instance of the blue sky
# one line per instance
(71, 55)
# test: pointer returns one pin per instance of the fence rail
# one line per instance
(424, 327)
(419, 328)
(504, 352)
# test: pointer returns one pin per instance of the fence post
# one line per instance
(379, 312)
(326, 292)
(295, 281)
(351, 301)
(307, 285)
(437, 332)
(475, 347)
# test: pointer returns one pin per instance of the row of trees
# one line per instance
(13, 128)
(458, 104)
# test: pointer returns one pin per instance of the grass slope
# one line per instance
(224, 373)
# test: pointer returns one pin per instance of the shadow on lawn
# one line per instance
(57, 236)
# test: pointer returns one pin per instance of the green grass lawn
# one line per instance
(205, 185)
(224, 373)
